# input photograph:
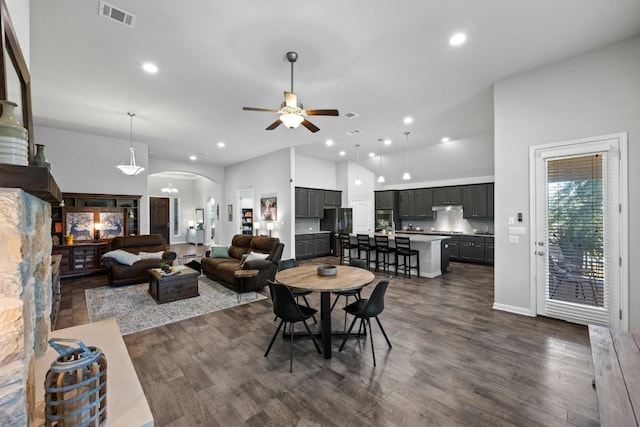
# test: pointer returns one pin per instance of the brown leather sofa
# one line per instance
(222, 269)
(121, 274)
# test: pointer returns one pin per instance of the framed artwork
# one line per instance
(269, 208)
(80, 224)
(230, 212)
(112, 224)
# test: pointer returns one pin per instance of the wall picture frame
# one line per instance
(230, 212)
(269, 208)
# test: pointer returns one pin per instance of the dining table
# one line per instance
(307, 277)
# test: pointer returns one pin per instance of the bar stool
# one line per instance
(383, 249)
(403, 249)
(345, 247)
(365, 245)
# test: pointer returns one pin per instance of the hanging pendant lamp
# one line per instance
(406, 175)
(381, 177)
(132, 168)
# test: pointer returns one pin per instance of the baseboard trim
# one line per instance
(514, 309)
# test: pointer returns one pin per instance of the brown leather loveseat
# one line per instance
(222, 269)
(142, 252)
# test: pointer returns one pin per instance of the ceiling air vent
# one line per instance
(353, 132)
(119, 15)
(351, 114)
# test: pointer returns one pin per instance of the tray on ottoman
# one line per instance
(175, 287)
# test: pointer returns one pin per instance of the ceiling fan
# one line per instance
(291, 113)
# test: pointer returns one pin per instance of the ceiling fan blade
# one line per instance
(313, 128)
(268, 110)
(274, 125)
(323, 113)
(290, 99)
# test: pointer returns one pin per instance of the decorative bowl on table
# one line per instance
(327, 270)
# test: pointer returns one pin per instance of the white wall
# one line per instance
(270, 174)
(19, 11)
(314, 173)
(597, 93)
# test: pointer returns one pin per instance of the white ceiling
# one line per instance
(382, 60)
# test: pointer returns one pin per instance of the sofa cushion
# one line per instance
(123, 257)
(150, 255)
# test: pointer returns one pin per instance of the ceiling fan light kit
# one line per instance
(292, 113)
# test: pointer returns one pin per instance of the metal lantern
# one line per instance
(76, 386)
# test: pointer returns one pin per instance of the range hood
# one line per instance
(440, 208)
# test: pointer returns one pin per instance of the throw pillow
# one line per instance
(123, 257)
(243, 259)
(254, 256)
(150, 255)
(219, 252)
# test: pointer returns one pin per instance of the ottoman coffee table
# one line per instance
(166, 288)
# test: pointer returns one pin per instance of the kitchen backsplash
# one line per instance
(307, 225)
(451, 221)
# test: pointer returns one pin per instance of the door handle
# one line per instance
(541, 253)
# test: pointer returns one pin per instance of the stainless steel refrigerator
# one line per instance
(336, 220)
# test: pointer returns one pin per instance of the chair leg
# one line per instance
(307, 302)
(312, 337)
(274, 338)
(348, 332)
(291, 351)
(383, 332)
(373, 352)
(334, 303)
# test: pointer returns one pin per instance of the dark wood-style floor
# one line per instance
(454, 361)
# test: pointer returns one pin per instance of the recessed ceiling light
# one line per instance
(372, 154)
(342, 153)
(387, 142)
(221, 144)
(193, 158)
(458, 39)
(408, 120)
(445, 139)
(329, 142)
(150, 68)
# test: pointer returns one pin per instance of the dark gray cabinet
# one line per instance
(454, 248)
(386, 200)
(312, 245)
(478, 249)
(406, 203)
(332, 198)
(447, 195)
(488, 249)
(302, 200)
(490, 189)
(309, 203)
(474, 201)
(416, 203)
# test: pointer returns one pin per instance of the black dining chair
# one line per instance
(365, 245)
(360, 263)
(297, 293)
(345, 247)
(388, 253)
(366, 308)
(403, 249)
(290, 312)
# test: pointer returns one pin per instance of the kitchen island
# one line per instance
(430, 251)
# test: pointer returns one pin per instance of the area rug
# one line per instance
(135, 310)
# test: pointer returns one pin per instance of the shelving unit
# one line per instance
(247, 221)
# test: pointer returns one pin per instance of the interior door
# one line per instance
(361, 213)
(577, 230)
(159, 217)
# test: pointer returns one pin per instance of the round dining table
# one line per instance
(307, 277)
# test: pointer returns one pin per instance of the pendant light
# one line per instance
(170, 191)
(132, 168)
(358, 182)
(381, 177)
(406, 175)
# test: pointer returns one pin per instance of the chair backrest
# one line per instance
(284, 303)
(287, 263)
(345, 239)
(403, 243)
(381, 241)
(360, 263)
(375, 304)
(363, 239)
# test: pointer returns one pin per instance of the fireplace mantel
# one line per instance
(35, 180)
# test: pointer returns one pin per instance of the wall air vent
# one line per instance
(119, 15)
(351, 114)
(353, 132)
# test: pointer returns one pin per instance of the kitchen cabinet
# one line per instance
(467, 248)
(332, 198)
(454, 248)
(422, 202)
(488, 250)
(474, 201)
(386, 200)
(490, 189)
(447, 195)
(312, 245)
(406, 203)
(309, 203)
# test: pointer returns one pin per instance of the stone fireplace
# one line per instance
(25, 300)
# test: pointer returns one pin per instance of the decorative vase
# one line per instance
(69, 238)
(39, 159)
(14, 147)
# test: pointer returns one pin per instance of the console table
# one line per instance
(80, 258)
